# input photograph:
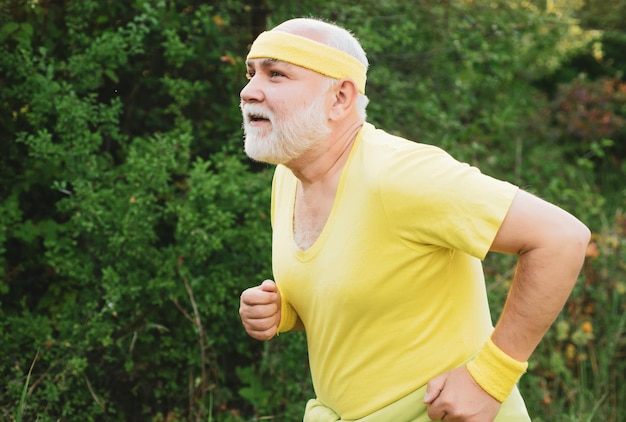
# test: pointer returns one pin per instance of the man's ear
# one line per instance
(344, 99)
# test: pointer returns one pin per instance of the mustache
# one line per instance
(256, 112)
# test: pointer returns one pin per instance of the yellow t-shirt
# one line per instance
(392, 292)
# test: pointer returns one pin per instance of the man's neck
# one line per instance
(326, 160)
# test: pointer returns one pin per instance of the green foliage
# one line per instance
(130, 223)
(592, 119)
(279, 384)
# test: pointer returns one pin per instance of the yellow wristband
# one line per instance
(495, 371)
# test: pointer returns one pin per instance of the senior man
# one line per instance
(377, 247)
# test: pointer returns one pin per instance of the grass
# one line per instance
(19, 413)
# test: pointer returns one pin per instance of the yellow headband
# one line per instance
(309, 54)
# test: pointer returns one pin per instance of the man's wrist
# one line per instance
(496, 372)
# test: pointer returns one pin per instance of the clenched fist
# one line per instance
(259, 308)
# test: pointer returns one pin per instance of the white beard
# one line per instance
(287, 137)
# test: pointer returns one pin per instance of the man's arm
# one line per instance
(551, 246)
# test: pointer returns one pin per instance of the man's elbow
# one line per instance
(575, 237)
(583, 235)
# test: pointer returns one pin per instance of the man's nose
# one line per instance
(252, 92)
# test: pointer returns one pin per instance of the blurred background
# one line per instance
(130, 219)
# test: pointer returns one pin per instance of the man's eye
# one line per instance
(276, 74)
(249, 75)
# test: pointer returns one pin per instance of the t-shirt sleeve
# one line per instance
(432, 199)
(288, 316)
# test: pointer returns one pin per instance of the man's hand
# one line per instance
(455, 396)
(259, 308)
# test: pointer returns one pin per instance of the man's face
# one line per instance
(284, 111)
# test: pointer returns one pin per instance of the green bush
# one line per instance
(131, 222)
